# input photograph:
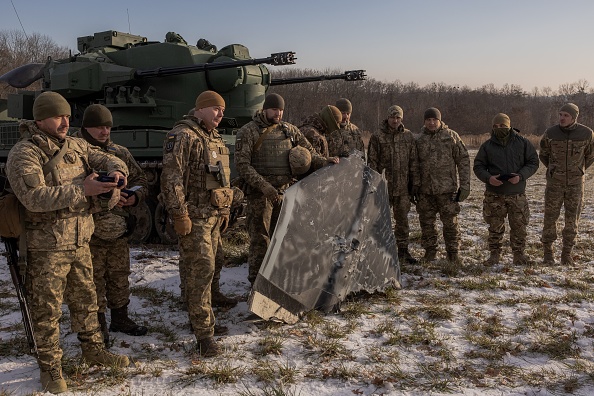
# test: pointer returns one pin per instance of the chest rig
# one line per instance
(270, 156)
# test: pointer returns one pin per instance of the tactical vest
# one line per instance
(214, 170)
(272, 158)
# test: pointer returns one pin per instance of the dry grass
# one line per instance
(504, 329)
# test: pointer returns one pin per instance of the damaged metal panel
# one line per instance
(333, 237)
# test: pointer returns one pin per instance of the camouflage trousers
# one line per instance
(400, 208)
(496, 207)
(428, 207)
(261, 217)
(571, 197)
(216, 278)
(111, 269)
(197, 252)
(52, 278)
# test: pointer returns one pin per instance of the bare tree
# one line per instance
(18, 49)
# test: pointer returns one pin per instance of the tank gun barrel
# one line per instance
(352, 75)
(276, 59)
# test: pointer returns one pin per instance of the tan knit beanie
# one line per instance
(344, 105)
(209, 99)
(501, 119)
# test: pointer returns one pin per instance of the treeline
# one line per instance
(18, 48)
(468, 111)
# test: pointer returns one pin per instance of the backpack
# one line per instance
(10, 215)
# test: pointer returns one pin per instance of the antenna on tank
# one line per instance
(128, 12)
(19, 18)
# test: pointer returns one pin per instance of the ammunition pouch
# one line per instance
(221, 197)
(10, 219)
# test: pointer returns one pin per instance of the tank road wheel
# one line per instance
(144, 222)
(152, 177)
(164, 227)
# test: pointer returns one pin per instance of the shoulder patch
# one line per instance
(238, 144)
(170, 142)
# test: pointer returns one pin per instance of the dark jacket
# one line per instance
(494, 158)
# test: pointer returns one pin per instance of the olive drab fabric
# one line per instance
(566, 153)
(265, 184)
(443, 161)
(56, 218)
(344, 140)
(109, 245)
(394, 152)
(314, 129)
(58, 226)
(190, 155)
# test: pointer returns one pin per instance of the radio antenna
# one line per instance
(19, 18)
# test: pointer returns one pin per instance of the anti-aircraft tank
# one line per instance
(148, 86)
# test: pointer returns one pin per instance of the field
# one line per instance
(466, 329)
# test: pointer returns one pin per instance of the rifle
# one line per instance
(12, 258)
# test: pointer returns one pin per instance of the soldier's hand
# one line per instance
(120, 179)
(271, 194)
(333, 160)
(182, 224)
(93, 187)
(515, 179)
(494, 181)
(127, 200)
(463, 193)
(224, 222)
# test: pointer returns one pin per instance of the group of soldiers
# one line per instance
(76, 221)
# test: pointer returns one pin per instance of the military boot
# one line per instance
(122, 323)
(548, 254)
(103, 325)
(208, 347)
(96, 354)
(404, 255)
(52, 380)
(220, 300)
(430, 255)
(520, 259)
(453, 257)
(566, 257)
(494, 258)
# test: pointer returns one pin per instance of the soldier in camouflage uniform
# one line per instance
(567, 150)
(443, 160)
(52, 176)
(342, 141)
(393, 150)
(195, 191)
(109, 245)
(504, 163)
(263, 157)
(318, 126)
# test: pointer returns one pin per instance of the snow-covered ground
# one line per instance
(473, 330)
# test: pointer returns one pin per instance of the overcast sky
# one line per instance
(532, 43)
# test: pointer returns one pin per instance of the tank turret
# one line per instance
(148, 86)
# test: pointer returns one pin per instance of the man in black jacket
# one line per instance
(504, 163)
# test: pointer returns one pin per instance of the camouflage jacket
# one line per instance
(395, 152)
(182, 189)
(443, 161)
(567, 153)
(112, 224)
(495, 158)
(57, 211)
(342, 141)
(314, 130)
(244, 150)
